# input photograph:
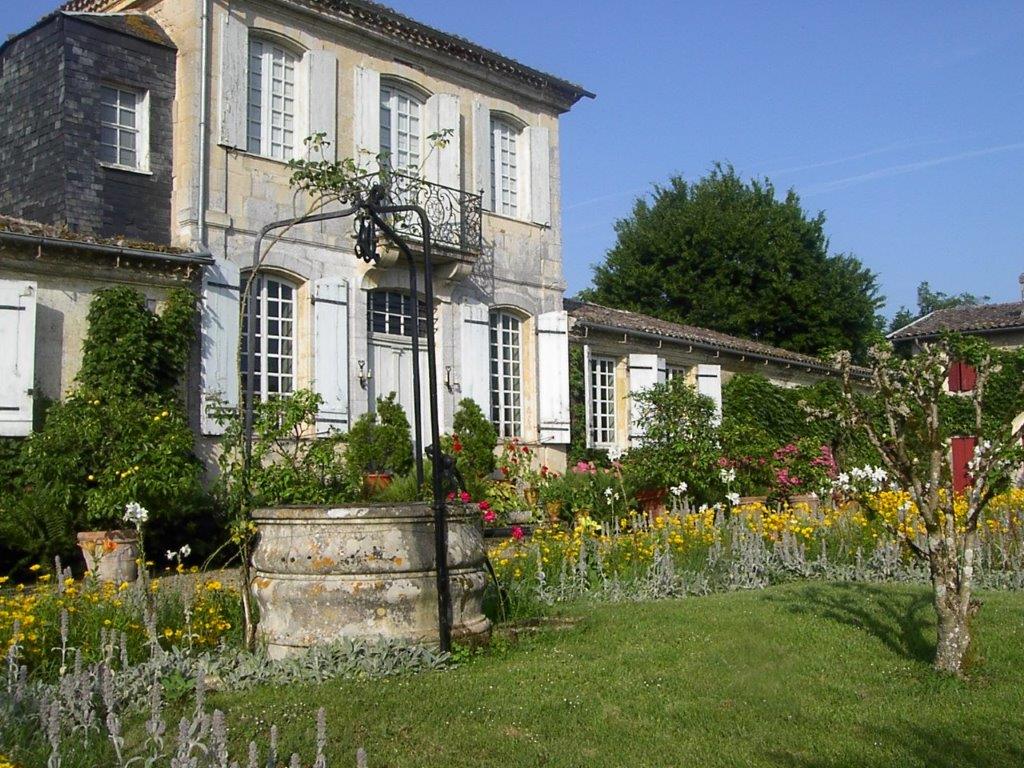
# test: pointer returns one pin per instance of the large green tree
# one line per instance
(728, 254)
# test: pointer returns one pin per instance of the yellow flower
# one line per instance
(45, 577)
(35, 567)
(213, 585)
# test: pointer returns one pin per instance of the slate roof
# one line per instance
(136, 25)
(982, 318)
(596, 316)
(390, 23)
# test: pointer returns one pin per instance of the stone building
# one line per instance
(173, 122)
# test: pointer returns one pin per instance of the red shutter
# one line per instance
(968, 376)
(963, 452)
(954, 377)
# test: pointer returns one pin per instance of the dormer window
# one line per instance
(505, 167)
(124, 122)
(401, 134)
(271, 102)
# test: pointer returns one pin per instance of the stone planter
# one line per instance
(520, 516)
(368, 571)
(111, 555)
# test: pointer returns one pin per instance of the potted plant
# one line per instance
(379, 445)
(113, 555)
(552, 496)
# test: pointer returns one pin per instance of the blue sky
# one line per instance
(904, 121)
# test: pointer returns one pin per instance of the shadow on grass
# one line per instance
(921, 745)
(902, 620)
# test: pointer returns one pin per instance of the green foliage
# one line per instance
(477, 438)
(380, 440)
(680, 441)
(120, 436)
(729, 255)
(928, 301)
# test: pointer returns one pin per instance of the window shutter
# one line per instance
(954, 377)
(588, 395)
(963, 451)
(330, 353)
(709, 383)
(662, 370)
(553, 376)
(968, 377)
(322, 68)
(643, 374)
(17, 364)
(444, 164)
(367, 117)
(476, 354)
(482, 153)
(540, 174)
(234, 72)
(220, 335)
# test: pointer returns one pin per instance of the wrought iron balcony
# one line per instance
(455, 214)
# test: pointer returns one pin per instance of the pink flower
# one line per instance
(465, 498)
(451, 496)
(517, 533)
(484, 506)
(489, 516)
(581, 468)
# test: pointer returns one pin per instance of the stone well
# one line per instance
(367, 571)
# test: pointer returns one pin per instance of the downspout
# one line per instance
(204, 110)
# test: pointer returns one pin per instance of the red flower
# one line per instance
(484, 506)
(456, 444)
(517, 533)
(465, 498)
(489, 516)
(451, 496)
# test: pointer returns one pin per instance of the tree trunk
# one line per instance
(954, 608)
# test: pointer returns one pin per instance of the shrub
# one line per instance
(476, 438)
(380, 440)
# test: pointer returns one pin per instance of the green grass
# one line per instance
(803, 675)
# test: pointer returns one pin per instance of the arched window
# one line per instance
(400, 127)
(274, 339)
(505, 166)
(506, 374)
(271, 101)
(390, 312)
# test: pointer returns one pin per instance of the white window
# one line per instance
(124, 127)
(504, 167)
(271, 105)
(602, 401)
(506, 374)
(274, 339)
(400, 128)
(390, 312)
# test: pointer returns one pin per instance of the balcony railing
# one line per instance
(455, 214)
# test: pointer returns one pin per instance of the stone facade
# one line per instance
(50, 131)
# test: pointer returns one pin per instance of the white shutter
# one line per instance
(17, 364)
(643, 374)
(662, 370)
(553, 376)
(482, 153)
(538, 145)
(367, 117)
(444, 164)
(220, 334)
(330, 353)
(588, 395)
(709, 383)
(476, 353)
(234, 69)
(322, 68)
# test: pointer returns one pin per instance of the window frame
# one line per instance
(400, 315)
(602, 408)
(676, 371)
(263, 320)
(397, 94)
(263, 144)
(506, 389)
(502, 128)
(140, 129)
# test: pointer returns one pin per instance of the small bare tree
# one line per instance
(906, 418)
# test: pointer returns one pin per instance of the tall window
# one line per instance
(506, 374)
(391, 312)
(274, 339)
(400, 131)
(602, 401)
(504, 168)
(271, 112)
(123, 122)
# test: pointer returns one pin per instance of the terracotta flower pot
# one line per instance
(375, 482)
(111, 555)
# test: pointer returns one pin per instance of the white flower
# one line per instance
(679, 490)
(185, 551)
(136, 514)
(171, 555)
(608, 493)
(733, 498)
(728, 475)
(615, 453)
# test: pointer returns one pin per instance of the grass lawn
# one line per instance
(804, 675)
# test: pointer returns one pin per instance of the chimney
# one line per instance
(1021, 281)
